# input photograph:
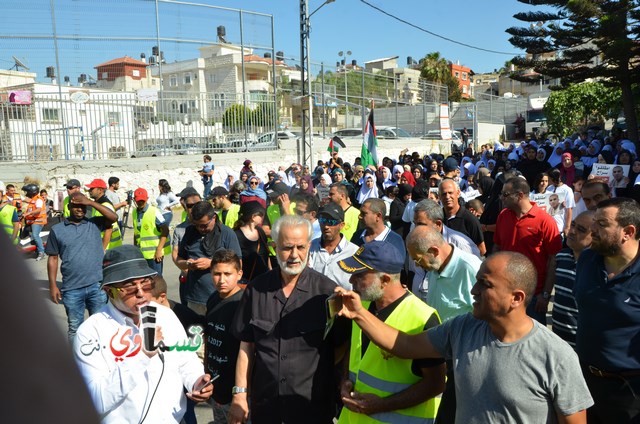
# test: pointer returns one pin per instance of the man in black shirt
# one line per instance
(459, 218)
(286, 358)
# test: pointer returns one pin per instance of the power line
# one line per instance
(433, 33)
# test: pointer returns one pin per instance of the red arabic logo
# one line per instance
(125, 346)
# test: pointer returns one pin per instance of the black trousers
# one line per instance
(447, 410)
(615, 400)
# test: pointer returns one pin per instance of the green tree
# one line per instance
(590, 39)
(580, 105)
(435, 68)
(264, 114)
(234, 116)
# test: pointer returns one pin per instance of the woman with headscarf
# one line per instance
(384, 179)
(368, 190)
(568, 170)
(398, 170)
(541, 158)
(253, 192)
(407, 178)
(484, 187)
(556, 156)
(252, 240)
(322, 189)
(397, 208)
(418, 172)
(591, 156)
(306, 185)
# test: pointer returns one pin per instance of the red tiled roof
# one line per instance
(256, 58)
(122, 60)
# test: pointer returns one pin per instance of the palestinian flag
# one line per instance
(369, 152)
(335, 143)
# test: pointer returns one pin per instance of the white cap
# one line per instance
(3, 188)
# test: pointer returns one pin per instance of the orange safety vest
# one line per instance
(41, 218)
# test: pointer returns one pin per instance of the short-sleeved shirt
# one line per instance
(199, 282)
(565, 308)
(525, 381)
(450, 291)
(114, 199)
(206, 168)
(535, 235)
(79, 247)
(386, 235)
(293, 370)
(466, 223)
(609, 319)
(221, 346)
(327, 263)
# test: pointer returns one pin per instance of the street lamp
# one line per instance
(305, 71)
(346, 54)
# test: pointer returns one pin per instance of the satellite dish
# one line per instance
(19, 64)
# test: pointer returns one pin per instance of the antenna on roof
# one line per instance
(18, 64)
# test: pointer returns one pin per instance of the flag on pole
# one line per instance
(335, 143)
(369, 152)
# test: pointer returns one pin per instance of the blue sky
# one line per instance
(352, 25)
(342, 25)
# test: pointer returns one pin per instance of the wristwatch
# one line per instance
(546, 295)
(235, 390)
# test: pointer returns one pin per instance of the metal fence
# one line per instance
(198, 88)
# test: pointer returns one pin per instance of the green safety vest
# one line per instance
(6, 215)
(65, 207)
(232, 215)
(273, 212)
(116, 236)
(184, 216)
(384, 374)
(146, 236)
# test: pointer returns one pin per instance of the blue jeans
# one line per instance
(531, 311)
(35, 234)
(207, 188)
(75, 301)
(156, 266)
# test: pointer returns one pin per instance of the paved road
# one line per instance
(39, 270)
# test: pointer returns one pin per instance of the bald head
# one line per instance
(423, 238)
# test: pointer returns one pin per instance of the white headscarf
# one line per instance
(366, 192)
(388, 182)
(555, 158)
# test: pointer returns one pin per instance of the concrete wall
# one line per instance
(181, 171)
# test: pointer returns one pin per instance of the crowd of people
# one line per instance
(447, 267)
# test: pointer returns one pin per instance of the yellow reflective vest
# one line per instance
(273, 212)
(231, 217)
(383, 374)
(116, 236)
(6, 220)
(146, 236)
(65, 207)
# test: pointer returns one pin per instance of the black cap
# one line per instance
(332, 210)
(188, 191)
(376, 255)
(278, 189)
(218, 191)
(449, 164)
(73, 183)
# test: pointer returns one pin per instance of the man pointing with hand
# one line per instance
(508, 367)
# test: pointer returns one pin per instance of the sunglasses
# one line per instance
(253, 183)
(190, 205)
(132, 287)
(328, 221)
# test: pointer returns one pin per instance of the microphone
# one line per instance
(148, 320)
